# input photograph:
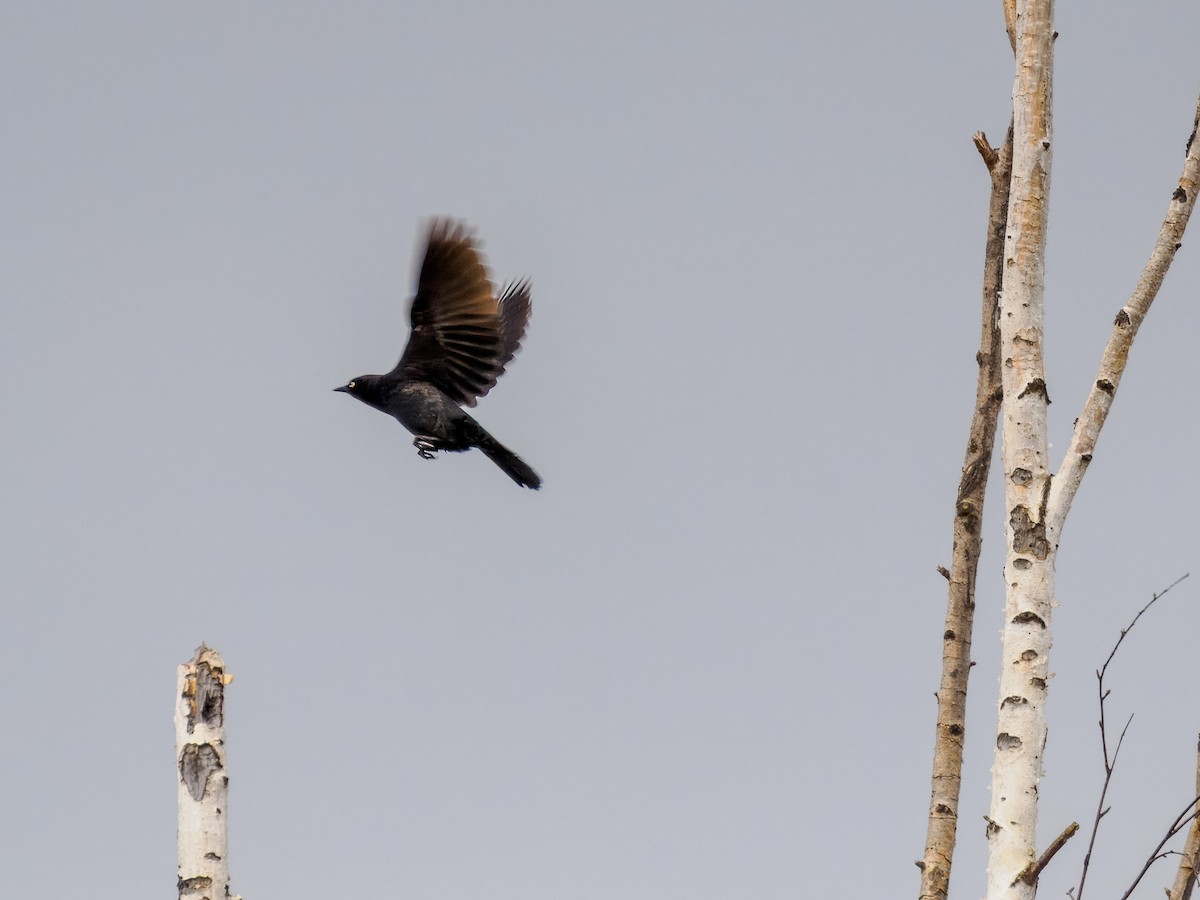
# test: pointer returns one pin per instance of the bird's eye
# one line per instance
(350, 385)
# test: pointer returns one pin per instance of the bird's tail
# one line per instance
(518, 470)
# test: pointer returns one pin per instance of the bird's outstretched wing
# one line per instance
(462, 336)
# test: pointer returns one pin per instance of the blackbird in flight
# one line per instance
(462, 338)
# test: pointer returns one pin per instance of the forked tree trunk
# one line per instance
(1036, 505)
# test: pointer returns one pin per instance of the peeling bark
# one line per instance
(203, 785)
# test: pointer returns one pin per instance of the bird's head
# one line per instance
(364, 388)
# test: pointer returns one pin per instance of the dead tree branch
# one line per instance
(1030, 873)
(967, 545)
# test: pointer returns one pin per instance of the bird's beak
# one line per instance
(343, 389)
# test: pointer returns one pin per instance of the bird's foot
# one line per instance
(425, 447)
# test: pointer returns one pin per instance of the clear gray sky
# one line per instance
(700, 663)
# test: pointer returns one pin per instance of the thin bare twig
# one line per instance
(1181, 820)
(1126, 630)
(1111, 763)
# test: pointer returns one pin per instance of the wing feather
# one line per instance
(462, 335)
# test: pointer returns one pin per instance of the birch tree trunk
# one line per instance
(203, 784)
(1030, 550)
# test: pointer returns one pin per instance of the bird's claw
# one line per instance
(425, 447)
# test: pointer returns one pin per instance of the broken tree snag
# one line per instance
(203, 784)
(991, 158)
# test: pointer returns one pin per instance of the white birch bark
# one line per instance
(203, 782)
(1030, 550)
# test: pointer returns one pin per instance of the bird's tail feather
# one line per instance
(518, 470)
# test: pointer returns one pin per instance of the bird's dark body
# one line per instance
(462, 338)
(419, 407)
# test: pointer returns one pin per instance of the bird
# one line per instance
(463, 336)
